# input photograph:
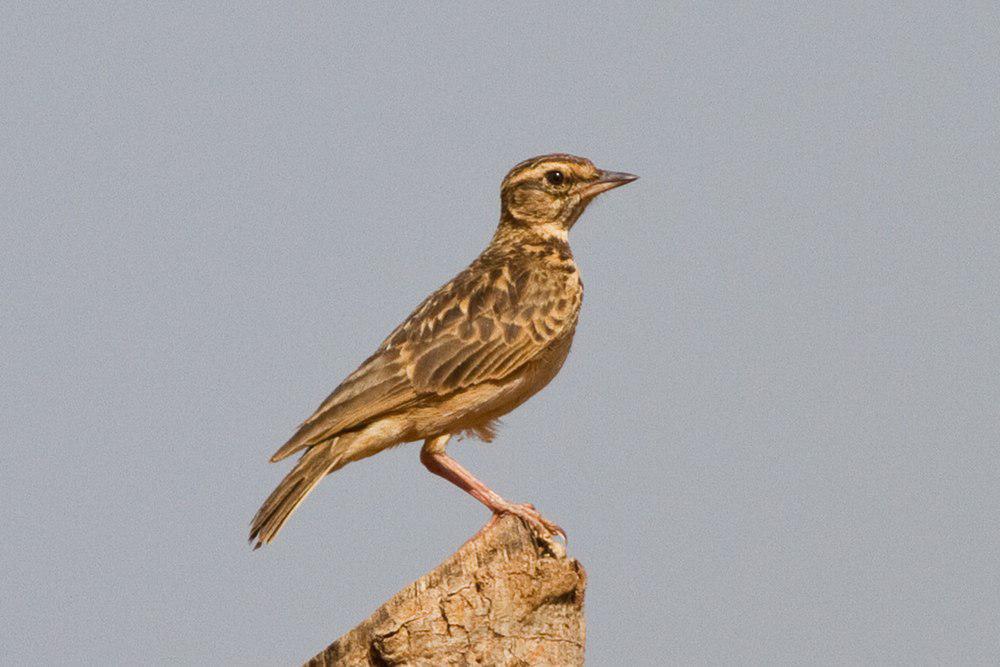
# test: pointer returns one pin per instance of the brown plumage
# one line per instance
(471, 352)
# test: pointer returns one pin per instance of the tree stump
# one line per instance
(506, 597)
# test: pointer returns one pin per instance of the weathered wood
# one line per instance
(506, 597)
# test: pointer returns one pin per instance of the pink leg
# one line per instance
(434, 458)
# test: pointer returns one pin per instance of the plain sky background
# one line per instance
(774, 441)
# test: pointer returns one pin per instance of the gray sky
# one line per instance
(775, 439)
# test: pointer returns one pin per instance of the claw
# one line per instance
(528, 513)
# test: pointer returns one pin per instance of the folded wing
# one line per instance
(481, 327)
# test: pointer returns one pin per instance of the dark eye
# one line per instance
(555, 177)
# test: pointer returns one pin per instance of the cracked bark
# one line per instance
(506, 597)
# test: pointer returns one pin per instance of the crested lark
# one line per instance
(471, 352)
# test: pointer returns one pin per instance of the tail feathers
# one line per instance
(303, 478)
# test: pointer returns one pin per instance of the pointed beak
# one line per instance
(606, 181)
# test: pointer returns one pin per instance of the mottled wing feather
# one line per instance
(485, 331)
(480, 327)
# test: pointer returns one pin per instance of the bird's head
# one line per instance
(552, 191)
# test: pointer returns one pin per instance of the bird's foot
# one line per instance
(527, 512)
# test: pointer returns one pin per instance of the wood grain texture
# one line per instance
(506, 597)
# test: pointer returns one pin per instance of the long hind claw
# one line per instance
(528, 513)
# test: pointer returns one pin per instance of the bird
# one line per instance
(471, 352)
